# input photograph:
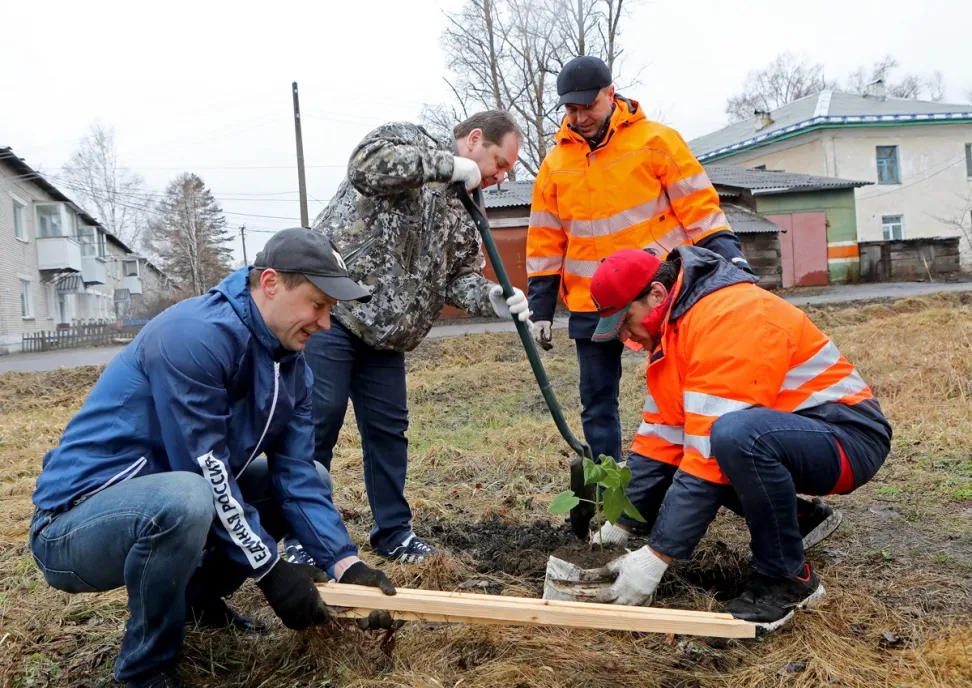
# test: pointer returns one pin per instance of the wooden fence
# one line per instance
(80, 336)
(909, 259)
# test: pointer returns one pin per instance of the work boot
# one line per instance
(817, 522)
(770, 602)
(217, 614)
(411, 551)
(158, 678)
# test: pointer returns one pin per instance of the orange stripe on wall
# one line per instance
(843, 251)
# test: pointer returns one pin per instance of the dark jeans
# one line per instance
(150, 535)
(769, 456)
(345, 368)
(600, 382)
(649, 484)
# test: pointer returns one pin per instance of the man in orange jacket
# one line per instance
(613, 180)
(748, 401)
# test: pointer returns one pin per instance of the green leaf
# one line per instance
(611, 478)
(608, 463)
(593, 473)
(614, 501)
(631, 511)
(625, 476)
(563, 502)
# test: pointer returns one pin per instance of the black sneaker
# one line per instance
(770, 602)
(817, 522)
(295, 553)
(411, 551)
(160, 678)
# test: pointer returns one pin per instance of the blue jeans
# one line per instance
(345, 368)
(600, 382)
(150, 535)
(769, 456)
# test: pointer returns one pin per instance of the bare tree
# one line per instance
(968, 96)
(787, 78)
(188, 233)
(506, 54)
(908, 86)
(961, 222)
(105, 189)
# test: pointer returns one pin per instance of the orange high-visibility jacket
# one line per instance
(641, 187)
(727, 348)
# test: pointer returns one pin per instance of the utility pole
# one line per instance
(304, 221)
(243, 238)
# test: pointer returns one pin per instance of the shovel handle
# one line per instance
(482, 224)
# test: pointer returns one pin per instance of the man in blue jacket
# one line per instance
(156, 484)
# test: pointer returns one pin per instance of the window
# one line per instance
(101, 244)
(18, 212)
(968, 160)
(130, 268)
(50, 300)
(49, 220)
(86, 236)
(887, 165)
(26, 301)
(893, 227)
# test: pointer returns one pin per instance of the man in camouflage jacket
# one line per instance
(403, 232)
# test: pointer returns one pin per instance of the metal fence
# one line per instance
(80, 336)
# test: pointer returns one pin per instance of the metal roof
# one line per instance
(509, 195)
(774, 181)
(745, 221)
(828, 108)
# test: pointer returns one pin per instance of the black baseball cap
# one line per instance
(310, 253)
(581, 79)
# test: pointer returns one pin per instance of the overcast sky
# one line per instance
(204, 86)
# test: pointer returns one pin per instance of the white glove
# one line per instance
(542, 334)
(515, 306)
(466, 171)
(638, 575)
(611, 535)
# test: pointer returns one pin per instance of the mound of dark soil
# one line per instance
(493, 546)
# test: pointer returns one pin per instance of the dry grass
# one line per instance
(485, 462)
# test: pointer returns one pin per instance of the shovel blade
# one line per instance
(581, 515)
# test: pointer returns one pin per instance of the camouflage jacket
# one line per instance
(402, 231)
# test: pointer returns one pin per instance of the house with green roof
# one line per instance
(916, 154)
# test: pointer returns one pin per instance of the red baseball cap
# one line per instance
(617, 282)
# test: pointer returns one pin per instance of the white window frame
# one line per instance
(26, 299)
(88, 241)
(125, 270)
(19, 206)
(60, 220)
(896, 158)
(50, 299)
(887, 227)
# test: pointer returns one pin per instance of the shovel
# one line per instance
(580, 515)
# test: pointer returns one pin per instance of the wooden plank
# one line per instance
(464, 607)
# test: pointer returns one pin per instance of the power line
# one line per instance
(901, 187)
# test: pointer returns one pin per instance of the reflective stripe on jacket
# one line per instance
(641, 187)
(729, 345)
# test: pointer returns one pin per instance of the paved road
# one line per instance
(50, 360)
(828, 295)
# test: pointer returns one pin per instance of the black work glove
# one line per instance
(290, 590)
(359, 573)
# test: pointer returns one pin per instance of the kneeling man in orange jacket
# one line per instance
(748, 404)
